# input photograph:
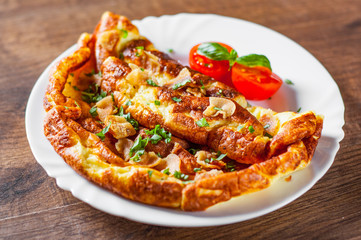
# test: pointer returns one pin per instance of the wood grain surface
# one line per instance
(33, 33)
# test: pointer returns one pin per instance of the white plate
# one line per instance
(313, 89)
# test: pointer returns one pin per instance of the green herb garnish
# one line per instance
(180, 175)
(266, 126)
(202, 84)
(150, 172)
(76, 88)
(181, 84)
(170, 50)
(90, 74)
(124, 33)
(127, 117)
(196, 169)
(166, 171)
(299, 109)
(93, 111)
(230, 166)
(215, 51)
(138, 148)
(193, 151)
(251, 129)
(159, 134)
(202, 123)
(156, 102)
(176, 99)
(152, 83)
(92, 95)
(289, 82)
(217, 108)
(101, 134)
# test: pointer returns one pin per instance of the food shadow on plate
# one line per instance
(284, 100)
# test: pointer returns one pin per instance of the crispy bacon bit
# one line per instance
(104, 107)
(120, 127)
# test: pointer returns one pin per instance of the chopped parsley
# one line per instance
(124, 33)
(176, 99)
(137, 149)
(299, 110)
(152, 83)
(202, 84)
(142, 69)
(140, 47)
(196, 169)
(159, 134)
(128, 103)
(150, 172)
(217, 108)
(202, 123)
(180, 175)
(230, 166)
(170, 50)
(72, 74)
(93, 111)
(156, 102)
(166, 171)
(90, 74)
(221, 156)
(193, 151)
(66, 107)
(127, 117)
(92, 95)
(181, 84)
(289, 82)
(102, 133)
(77, 104)
(251, 129)
(76, 88)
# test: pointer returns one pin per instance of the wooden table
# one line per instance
(33, 33)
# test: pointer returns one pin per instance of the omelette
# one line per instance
(136, 122)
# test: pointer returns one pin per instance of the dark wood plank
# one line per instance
(33, 33)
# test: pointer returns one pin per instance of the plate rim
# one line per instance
(232, 219)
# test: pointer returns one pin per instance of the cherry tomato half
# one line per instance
(219, 70)
(255, 83)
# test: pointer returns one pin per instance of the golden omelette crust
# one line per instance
(70, 130)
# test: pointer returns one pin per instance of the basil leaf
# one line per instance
(253, 60)
(213, 51)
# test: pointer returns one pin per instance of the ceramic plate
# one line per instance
(313, 89)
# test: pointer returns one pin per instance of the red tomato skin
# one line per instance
(218, 70)
(255, 83)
